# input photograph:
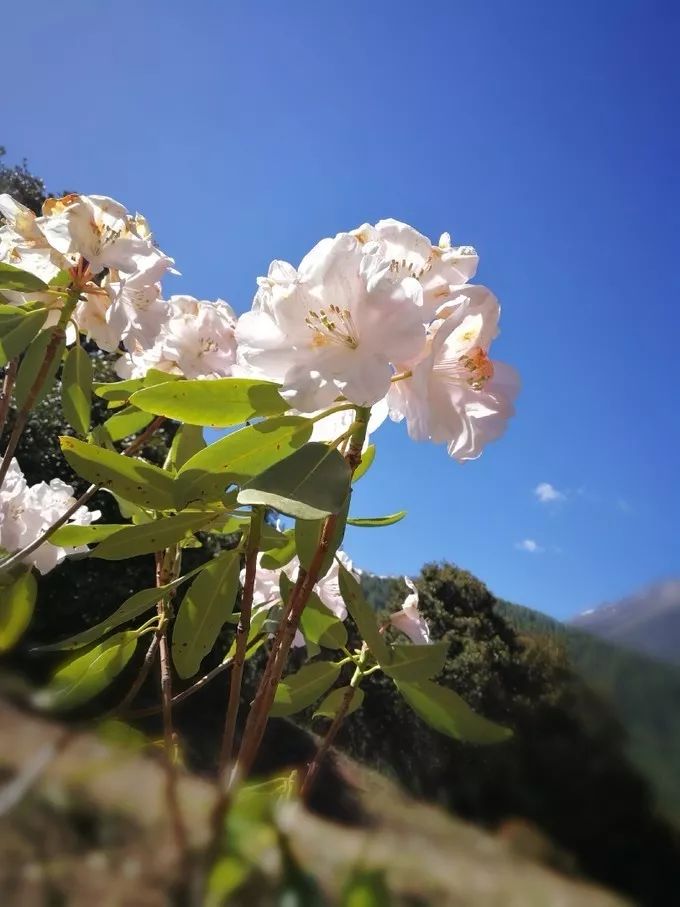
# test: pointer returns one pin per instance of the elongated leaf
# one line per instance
(363, 616)
(331, 704)
(118, 391)
(133, 479)
(148, 537)
(312, 482)
(242, 454)
(187, 442)
(321, 626)
(16, 334)
(17, 601)
(413, 663)
(203, 612)
(446, 712)
(83, 677)
(276, 558)
(308, 536)
(218, 403)
(376, 521)
(127, 421)
(131, 608)
(31, 364)
(73, 535)
(299, 690)
(76, 388)
(12, 278)
(367, 458)
(270, 537)
(256, 624)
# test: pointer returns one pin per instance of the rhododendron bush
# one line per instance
(374, 323)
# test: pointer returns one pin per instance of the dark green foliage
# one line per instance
(643, 692)
(565, 769)
(22, 185)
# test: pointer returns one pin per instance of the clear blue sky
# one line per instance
(545, 134)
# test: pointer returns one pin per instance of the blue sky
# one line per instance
(547, 135)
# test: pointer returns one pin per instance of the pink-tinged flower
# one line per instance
(196, 339)
(409, 620)
(455, 394)
(332, 327)
(27, 511)
(438, 269)
(100, 231)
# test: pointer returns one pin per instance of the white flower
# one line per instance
(136, 312)
(196, 339)
(438, 268)
(333, 326)
(27, 511)
(330, 428)
(455, 393)
(23, 245)
(266, 592)
(100, 231)
(409, 620)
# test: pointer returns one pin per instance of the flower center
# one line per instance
(479, 367)
(333, 326)
(406, 268)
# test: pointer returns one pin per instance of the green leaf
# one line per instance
(277, 558)
(367, 458)
(131, 478)
(413, 663)
(187, 442)
(367, 888)
(17, 601)
(238, 456)
(321, 626)
(332, 703)
(447, 713)
(83, 677)
(363, 616)
(308, 536)
(17, 331)
(297, 691)
(312, 482)
(76, 388)
(256, 623)
(270, 537)
(12, 278)
(127, 421)
(203, 612)
(371, 521)
(118, 391)
(73, 535)
(32, 363)
(131, 608)
(148, 537)
(218, 403)
(226, 876)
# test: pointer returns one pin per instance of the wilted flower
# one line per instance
(333, 326)
(454, 393)
(409, 620)
(26, 511)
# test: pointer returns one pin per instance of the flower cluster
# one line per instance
(111, 257)
(26, 511)
(379, 315)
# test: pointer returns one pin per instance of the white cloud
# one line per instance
(545, 492)
(529, 545)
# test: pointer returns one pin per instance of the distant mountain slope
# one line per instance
(644, 692)
(647, 621)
